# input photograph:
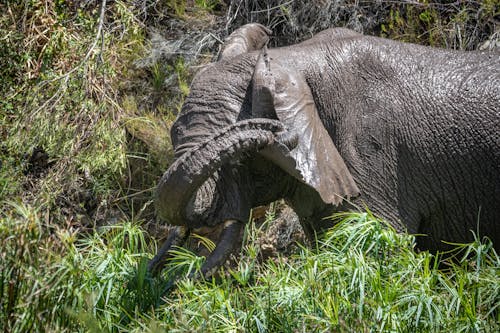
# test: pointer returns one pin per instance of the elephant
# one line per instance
(339, 121)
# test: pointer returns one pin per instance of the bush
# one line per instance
(361, 276)
(466, 25)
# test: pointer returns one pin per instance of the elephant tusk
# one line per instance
(229, 237)
(177, 237)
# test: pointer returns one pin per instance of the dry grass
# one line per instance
(458, 25)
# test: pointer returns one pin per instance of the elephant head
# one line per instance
(413, 129)
(246, 139)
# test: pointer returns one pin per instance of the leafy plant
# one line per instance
(179, 7)
(183, 77)
(206, 4)
(361, 275)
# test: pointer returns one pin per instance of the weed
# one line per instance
(182, 73)
(206, 4)
(362, 275)
(158, 76)
(178, 6)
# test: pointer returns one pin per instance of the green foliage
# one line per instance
(10, 176)
(60, 96)
(178, 69)
(183, 77)
(361, 276)
(178, 6)
(206, 4)
(37, 283)
(158, 76)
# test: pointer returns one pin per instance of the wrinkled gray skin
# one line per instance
(339, 120)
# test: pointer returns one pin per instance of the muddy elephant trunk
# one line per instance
(195, 166)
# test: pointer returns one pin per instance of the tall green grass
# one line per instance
(360, 276)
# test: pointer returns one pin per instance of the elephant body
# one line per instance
(412, 132)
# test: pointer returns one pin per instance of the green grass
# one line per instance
(360, 276)
(66, 91)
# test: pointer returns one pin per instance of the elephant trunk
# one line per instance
(195, 166)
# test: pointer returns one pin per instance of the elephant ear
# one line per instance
(247, 38)
(284, 94)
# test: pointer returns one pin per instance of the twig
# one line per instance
(267, 10)
(216, 38)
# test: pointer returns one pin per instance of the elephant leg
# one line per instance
(311, 210)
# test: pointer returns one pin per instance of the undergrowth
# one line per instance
(465, 25)
(360, 276)
(73, 137)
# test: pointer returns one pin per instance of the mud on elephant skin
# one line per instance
(338, 121)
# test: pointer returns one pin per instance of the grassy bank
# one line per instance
(361, 276)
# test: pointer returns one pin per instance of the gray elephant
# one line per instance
(339, 121)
